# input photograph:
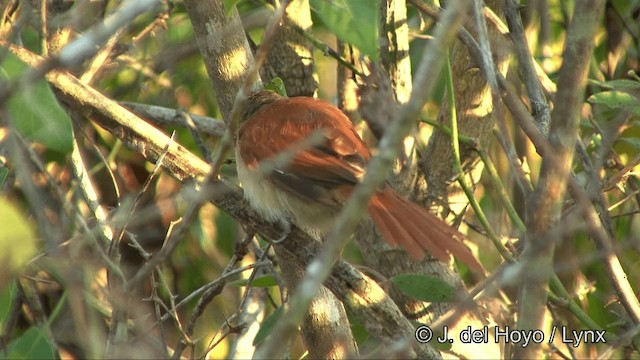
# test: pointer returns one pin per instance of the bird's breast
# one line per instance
(278, 205)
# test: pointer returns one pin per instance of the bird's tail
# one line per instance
(404, 223)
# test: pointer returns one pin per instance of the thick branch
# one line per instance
(433, 59)
(224, 48)
(544, 208)
(358, 292)
(288, 57)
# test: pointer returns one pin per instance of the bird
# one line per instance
(318, 177)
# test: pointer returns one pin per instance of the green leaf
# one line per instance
(33, 344)
(229, 5)
(617, 100)
(17, 239)
(617, 84)
(267, 325)
(360, 333)
(35, 111)
(635, 142)
(623, 6)
(423, 287)
(277, 86)
(262, 281)
(353, 21)
(226, 234)
(4, 173)
(7, 294)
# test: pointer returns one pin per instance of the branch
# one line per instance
(224, 48)
(544, 208)
(377, 169)
(163, 116)
(322, 341)
(539, 106)
(359, 293)
(87, 45)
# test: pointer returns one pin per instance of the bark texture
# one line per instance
(544, 209)
(224, 48)
(475, 119)
(290, 55)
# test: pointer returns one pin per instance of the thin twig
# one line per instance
(206, 298)
(128, 212)
(350, 215)
(163, 116)
(174, 234)
(88, 43)
(226, 144)
(188, 121)
(539, 107)
(360, 294)
(89, 193)
(463, 180)
(44, 36)
(325, 48)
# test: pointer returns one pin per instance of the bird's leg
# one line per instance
(286, 226)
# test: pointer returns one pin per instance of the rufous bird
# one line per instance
(311, 188)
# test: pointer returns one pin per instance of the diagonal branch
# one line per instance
(361, 295)
(545, 205)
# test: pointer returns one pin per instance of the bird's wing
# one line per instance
(315, 171)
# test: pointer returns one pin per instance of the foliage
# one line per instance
(34, 110)
(425, 288)
(55, 259)
(14, 226)
(353, 21)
